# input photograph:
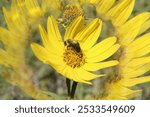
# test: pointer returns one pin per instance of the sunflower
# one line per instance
(117, 11)
(14, 40)
(134, 59)
(77, 55)
(65, 10)
(31, 8)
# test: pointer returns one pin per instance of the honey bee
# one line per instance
(73, 44)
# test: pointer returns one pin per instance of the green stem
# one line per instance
(74, 86)
(68, 86)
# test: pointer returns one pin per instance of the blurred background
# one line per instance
(48, 79)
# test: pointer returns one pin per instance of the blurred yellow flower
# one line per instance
(34, 9)
(30, 10)
(49, 6)
(16, 23)
(134, 59)
(64, 10)
(15, 38)
(115, 11)
(77, 55)
(13, 62)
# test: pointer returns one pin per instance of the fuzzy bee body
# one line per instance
(73, 44)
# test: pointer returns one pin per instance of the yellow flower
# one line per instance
(115, 11)
(134, 60)
(29, 10)
(16, 23)
(23, 14)
(77, 55)
(64, 10)
(14, 68)
(71, 12)
(53, 7)
(12, 57)
(34, 9)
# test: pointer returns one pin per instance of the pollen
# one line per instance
(71, 12)
(72, 57)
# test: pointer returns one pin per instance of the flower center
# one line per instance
(73, 55)
(71, 12)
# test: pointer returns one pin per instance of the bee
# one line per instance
(73, 44)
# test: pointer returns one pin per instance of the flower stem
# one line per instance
(74, 86)
(68, 86)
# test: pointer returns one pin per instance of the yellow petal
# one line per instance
(74, 28)
(102, 6)
(101, 47)
(122, 90)
(78, 78)
(135, 72)
(33, 8)
(139, 47)
(98, 66)
(40, 52)
(7, 18)
(139, 61)
(93, 1)
(54, 36)
(121, 12)
(142, 52)
(59, 67)
(45, 56)
(93, 37)
(135, 81)
(71, 73)
(83, 1)
(5, 37)
(85, 75)
(126, 36)
(44, 36)
(18, 3)
(3, 58)
(139, 43)
(118, 91)
(46, 42)
(49, 6)
(7, 59)
(32, 3)
(11, 42)
(66, 71)
(84, 33)
(16, 23)
(145, 27)
(104, 55)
